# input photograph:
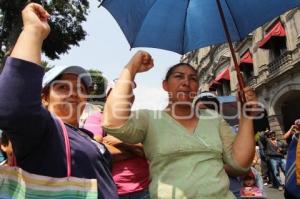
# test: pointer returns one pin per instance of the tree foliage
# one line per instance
(99, 86)
(65, 22)
(46, 65)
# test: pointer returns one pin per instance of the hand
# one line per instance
(140, 62)
(110, 140)
(35, 18)
(292, 128)
(98, 138)
(252, 106)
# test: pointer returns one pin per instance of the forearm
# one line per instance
(233, 172)
(35, 30)
(118, 154)
(244, 144)
(118, 105)
(135, 149)
(287, 134)
(28, 46)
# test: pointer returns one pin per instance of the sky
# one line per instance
(105, 48)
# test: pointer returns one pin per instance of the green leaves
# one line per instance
(65, 22)
(99, 85)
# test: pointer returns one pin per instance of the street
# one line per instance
(273, 193)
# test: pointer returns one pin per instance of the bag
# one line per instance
(15, 183)
(290, 179)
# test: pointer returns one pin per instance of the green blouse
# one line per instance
(183, 165)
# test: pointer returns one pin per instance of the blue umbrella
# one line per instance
(184, 25)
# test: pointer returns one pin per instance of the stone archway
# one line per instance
(290, 108)
(284, 106)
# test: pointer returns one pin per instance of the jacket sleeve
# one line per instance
(21, 113)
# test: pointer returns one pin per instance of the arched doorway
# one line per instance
(289, 106)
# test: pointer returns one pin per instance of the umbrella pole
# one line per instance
(240, 79)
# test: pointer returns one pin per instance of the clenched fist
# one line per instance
(140, 62)
(35, 19)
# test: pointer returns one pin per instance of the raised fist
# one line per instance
(141, 62)
(35, 19)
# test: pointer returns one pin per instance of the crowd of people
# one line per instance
(186, 150)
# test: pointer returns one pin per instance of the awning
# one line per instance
(224, 75)
(246, 58)
(276, 31)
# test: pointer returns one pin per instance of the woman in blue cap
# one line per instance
(35, 131)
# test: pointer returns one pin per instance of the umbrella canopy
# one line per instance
(184, 25)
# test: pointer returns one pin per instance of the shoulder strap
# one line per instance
(67, 146)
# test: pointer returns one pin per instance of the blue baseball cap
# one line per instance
(54, 72)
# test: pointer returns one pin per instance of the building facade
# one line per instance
(269, 59)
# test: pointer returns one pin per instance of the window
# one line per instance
(274, 40)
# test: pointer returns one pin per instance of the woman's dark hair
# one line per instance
(172, 68)
(4, 139)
